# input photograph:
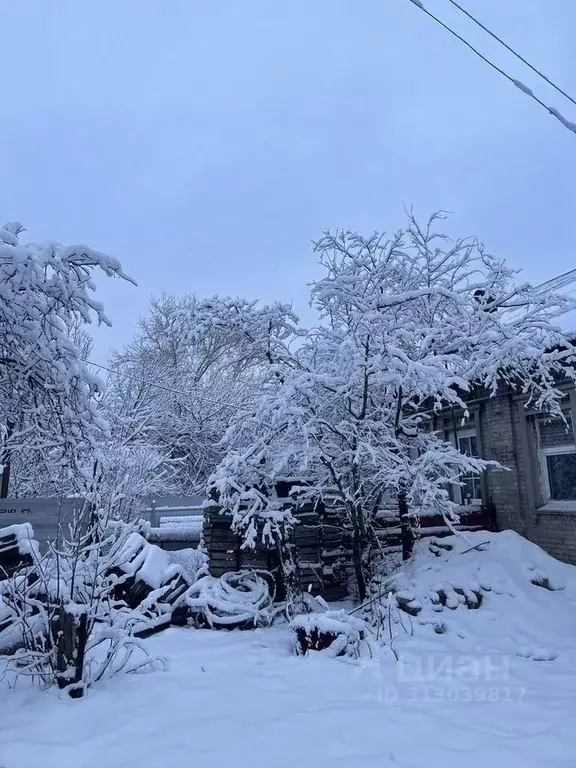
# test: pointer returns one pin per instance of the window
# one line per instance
(559, 472)
(557, 459)
(470, 492)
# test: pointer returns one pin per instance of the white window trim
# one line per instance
(457, 489)
(543, 453)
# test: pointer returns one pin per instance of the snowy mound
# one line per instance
(484, 592)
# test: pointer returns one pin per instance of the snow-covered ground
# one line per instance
(468, 697)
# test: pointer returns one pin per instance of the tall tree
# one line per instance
(48, 397)
(193, 363)
(404, 330)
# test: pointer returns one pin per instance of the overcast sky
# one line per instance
(205, 144)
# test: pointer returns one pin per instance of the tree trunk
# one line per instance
(287, 587)
(407, 535)
(5, 481)
(69, 638)
(357, 550)
(82, 638)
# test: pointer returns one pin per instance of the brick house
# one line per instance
(537, 495)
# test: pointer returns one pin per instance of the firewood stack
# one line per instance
(17, 545)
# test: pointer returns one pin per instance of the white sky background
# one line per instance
(205, 144)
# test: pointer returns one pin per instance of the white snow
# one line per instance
(189, 522)
(24, 534)
(178, 528)
(152, 564)
(193, 561)
(332, 621)
(470, 697)
(520, 597)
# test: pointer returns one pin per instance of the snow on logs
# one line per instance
(17, 549)
(335, 632)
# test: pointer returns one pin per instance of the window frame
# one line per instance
(457, 489)
(543, 453)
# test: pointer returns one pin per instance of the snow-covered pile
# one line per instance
(19, 552)
(147, 562)
(193, 561)
(17, 547)
(240, 600)
(10, 628)
(490, 591)
(335, 632)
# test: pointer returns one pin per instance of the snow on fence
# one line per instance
(171, 507)
(47, 515)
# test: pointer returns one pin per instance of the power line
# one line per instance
(560, 281)
(524, 88)
(509, 48)
(160, 386)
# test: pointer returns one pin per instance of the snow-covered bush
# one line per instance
(70, 626)
(335, 632)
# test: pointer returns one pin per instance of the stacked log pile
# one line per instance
(18, 554)
(388, 530)
(149, 583)
(319, 543)
(17, 549)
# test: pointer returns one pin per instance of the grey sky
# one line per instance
(206, 143)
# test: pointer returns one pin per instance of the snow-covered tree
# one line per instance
(408, 325)
(64, 610)
(193, 363)
(135, 463)
(48, 397)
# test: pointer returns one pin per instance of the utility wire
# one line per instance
(561, 281)
(161, 386)
(551, 110)
(509, 48)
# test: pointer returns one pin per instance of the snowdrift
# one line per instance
(484, 593)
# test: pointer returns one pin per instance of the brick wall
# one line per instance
(556, 533)
(499, 438)
(505, 437)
